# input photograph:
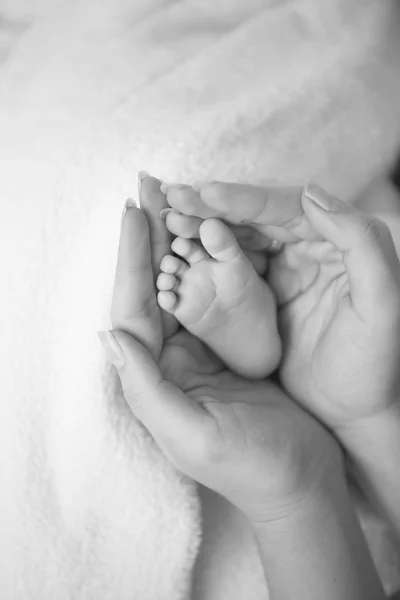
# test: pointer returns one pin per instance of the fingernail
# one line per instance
(164, 188)
(322, 198)
(143, 174)
(164, 213)
(112, 349)
(130, 202)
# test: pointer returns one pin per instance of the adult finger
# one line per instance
(152, 202)
(180, 426)
(275, 211)
(134, 306)
(188, 227)
(369, 253)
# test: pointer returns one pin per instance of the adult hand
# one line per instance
(246, 440)
(337, 282)
(257, 214)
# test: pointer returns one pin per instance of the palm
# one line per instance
(251, 421)
(325, 340)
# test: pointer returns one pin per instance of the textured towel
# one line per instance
(91, 92)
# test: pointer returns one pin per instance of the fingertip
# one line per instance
(134, 237)
(341, 223)
(133, 216)
(321, 198)
(308, 203)
(151, 198)
(324, 222)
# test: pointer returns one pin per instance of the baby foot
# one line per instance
(215, 293)
(186, 226)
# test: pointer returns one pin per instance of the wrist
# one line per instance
(311, 489)
(363, 437)
(310, 506)
(317, 549)
(373, 447)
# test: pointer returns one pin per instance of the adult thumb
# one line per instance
(178, 424)
(369, 253)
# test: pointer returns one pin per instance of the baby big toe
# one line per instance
(189, 250)
(186, 200)
(220, 242)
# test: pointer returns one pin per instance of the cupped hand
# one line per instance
(338, 285)
(257, 215)
(246, 440)
(340, 313)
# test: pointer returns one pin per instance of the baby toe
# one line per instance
(189, 250)
(173, 265)
(183, 225)
(219, 241)
(166, 282)
(186, 200)
(167, 301)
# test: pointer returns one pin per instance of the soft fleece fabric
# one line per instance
(91, 92)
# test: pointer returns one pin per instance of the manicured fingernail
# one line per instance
(130, 202)
(112, 349)
(143, 174)
(164, 213)
(322, 198)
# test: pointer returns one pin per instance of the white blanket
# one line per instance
(91, 92)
